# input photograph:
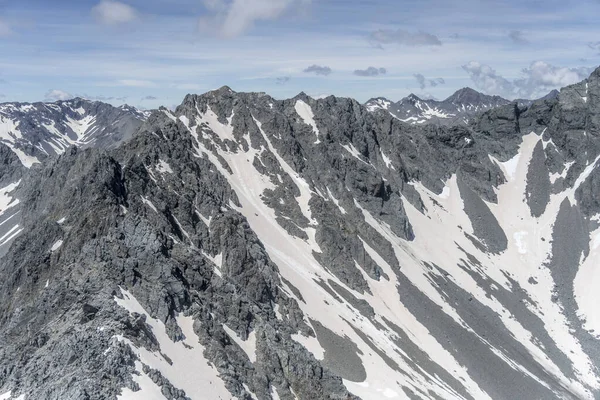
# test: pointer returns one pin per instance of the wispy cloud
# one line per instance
(402, 37)
(282, 80)
(149, 97)
(371, 71)
(231, 18)
(539, 78)
(56, 95)
(517, 37)
(436, 81)
(424, 82)
(544, 76)
(109, 12)
(318, 70)
(594, 46)
(486, 79)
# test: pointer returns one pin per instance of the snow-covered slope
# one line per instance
(244, 247)
(35, 131)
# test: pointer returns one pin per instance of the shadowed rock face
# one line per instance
(246, 247)
(538, 182)
(485, 225)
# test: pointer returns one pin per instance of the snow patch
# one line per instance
(336, 202)
(306, 113)
(148, 389)
(520, 241)
(249, 345)
(188, 370)
(386, 160)
(163, 167)
(355, 153)
(211, 120)
(149, 203)
(311, 344)
(510, 167)
(56, 245)
(217, 260)
(6, 201)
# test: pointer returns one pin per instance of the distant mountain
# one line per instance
(456, 109)
(38, 130)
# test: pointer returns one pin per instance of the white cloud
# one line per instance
(539, 78)
(56, 95)
(486, 79)
(231, 18)
(111, 12)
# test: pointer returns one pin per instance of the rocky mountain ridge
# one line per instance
(245, 247)
(34, 131)
(458, 109)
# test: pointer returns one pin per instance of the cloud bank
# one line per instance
(538, 79)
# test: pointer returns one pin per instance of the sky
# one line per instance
(149, 53)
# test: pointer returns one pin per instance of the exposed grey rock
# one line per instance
(165, 215)
(538, 182)
(485, 225)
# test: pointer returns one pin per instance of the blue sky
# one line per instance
(153, 52)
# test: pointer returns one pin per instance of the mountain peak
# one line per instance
(466, 95)
(225, 89)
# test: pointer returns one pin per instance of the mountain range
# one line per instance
(459, 108)
(36, 131)
(242, 247)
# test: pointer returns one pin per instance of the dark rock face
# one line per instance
(538, 182)
(485, 226)
(305, 249)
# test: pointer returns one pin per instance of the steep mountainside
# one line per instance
(38, 130)
(457, 109)
(243, 247)
(35, 132)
